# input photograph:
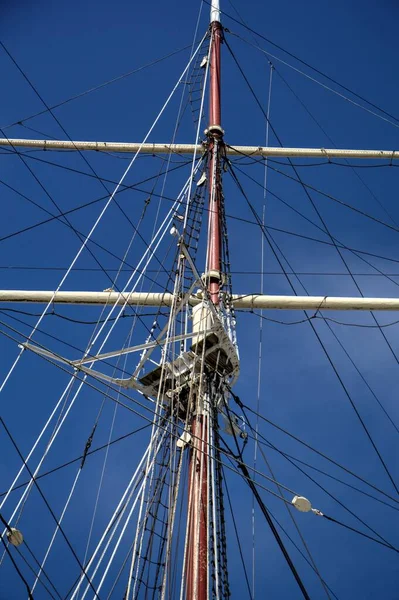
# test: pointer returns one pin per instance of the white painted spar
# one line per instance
(191, 148)
(242, 301)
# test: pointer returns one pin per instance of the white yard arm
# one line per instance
(191, 148)
(247, 301)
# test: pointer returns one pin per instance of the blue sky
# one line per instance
(67, 48)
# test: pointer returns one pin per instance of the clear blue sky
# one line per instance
(67, 48)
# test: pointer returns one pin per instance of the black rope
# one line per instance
(277, 537)
(252, 485)
(48, 506)
(331, 362)
(30, 596)
(306, 64)
(238, 539)
(389, 546)
(325, 490)
(97, 87)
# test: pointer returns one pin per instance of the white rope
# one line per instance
(57, 528)
(112, 519)
(139, 494)
(104, 465)
(149, 475)
(63, 279)
(36, 443)
(170, 330)
(213, 488)
(85, 376)
(262, 281)
(171, 522)
(198, 132)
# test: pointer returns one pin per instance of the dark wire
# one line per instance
(87, 163)
(335, 243)
(8, 527)
(59, 526)
(279, 273)
(35, 574)
(385, 542)
(326, 230)
(270, 446)
(253, 486)
(297, 179)
(306, 64)
(346, 391)
(70, 320)
(389, 546)
(30, 596)
(79, 172)
(73, 210)
(93, 89)
(237, 536)
(77, 459)
(170, 199)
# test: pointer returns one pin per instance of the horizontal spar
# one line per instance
(247, 301)
(191, 148)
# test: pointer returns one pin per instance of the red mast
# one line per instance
(197, 564)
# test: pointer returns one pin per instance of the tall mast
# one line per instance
(197, 565)
(215, 135)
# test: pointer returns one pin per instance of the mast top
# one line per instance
(215, 11)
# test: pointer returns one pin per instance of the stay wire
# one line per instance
(294, 521)
(267, 444)
(79, 152)
(338, 249)
(169, 199)
(381, 331)
(346, 391)
(318, 452)
(228, 454)
(252, 485)
(298, 179)
(308, 186)
(134, 411)
(336, 243)
(331, 237)
(383, 540)
(293, 543)
(76, 209)
(307, 65)
(327, 320)
(256, 433)
(102, 85)
(32, 570)
(78, 458)
(22, 578)
(237, 536)
(365, 535)
(48, 506)
(346, 161)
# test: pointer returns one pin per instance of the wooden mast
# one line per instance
(197, 572)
